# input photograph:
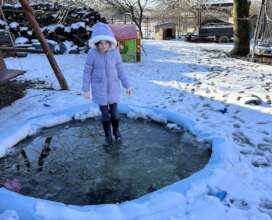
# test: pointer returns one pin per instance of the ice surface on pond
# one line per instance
(69, 163)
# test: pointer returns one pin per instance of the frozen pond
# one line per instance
(69, 163)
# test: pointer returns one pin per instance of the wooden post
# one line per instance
(30, 15)
(2, 62)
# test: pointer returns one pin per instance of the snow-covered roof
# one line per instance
(215, 2)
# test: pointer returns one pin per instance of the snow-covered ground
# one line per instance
(199, 82)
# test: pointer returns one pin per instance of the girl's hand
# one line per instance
(129, 92)
(86, 95)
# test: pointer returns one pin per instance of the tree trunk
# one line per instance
(138, 23)
(241, 27)
(140, 31)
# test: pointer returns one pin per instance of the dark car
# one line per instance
(216, 32)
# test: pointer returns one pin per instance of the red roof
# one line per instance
(124, 31)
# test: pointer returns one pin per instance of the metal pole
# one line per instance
(147, 27)
(257, 29)
(30, 15)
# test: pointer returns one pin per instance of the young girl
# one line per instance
(103, 72)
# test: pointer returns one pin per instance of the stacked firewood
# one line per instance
(66, 27)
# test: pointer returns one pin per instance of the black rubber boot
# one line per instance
(108, 135)
(116, 132)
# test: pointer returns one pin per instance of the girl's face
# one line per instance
(104, 46)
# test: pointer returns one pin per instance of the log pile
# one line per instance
(67, 28)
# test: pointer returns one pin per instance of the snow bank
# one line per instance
(9, 215)
(150, 206)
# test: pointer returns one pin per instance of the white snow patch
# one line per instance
(14, 25)
(21, 40)
(77, 25)
(52, 28)
(9, 215)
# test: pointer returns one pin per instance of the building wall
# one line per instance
(161, 32)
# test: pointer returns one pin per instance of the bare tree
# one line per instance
(178, 4)
(134, 8)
